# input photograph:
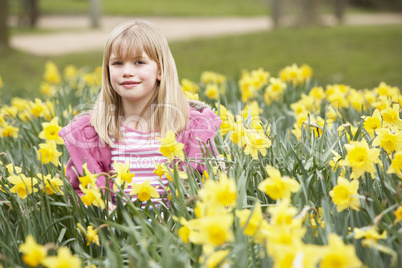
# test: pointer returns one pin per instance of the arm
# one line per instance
(84, 146)
(200, 129)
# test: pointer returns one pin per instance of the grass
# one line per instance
(359, 56)
(160, 7)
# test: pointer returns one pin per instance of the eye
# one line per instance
(139, 62)
(117, 63)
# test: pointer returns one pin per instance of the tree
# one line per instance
(309, 11)
(340, 6)
(276, 12)
(29, 13)
(4, 34)
(95, 11)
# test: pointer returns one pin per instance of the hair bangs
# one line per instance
(127, 46)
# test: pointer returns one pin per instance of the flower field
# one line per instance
(307, 175)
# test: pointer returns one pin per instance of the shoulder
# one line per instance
(79, 130)
(202, 124)
(202, 116)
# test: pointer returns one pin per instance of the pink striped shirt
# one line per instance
(141, 150)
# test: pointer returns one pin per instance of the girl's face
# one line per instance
(134, 79)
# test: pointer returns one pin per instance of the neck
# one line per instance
(134, 119)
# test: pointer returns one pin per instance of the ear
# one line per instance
(158, 76)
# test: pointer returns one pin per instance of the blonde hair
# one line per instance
(170, 108)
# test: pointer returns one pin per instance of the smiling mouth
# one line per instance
(129, 83)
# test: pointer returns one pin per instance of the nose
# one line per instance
(128, 70)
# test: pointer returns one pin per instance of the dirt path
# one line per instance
(74, 34)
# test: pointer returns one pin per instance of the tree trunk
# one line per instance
(95, 13)
(340, 6)
(33, 12)
(310, 11)
(276, 12)
(4, 33)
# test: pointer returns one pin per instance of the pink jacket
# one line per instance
(85, 146)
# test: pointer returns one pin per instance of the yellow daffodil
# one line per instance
(372, 123)
(227, 119)
(90, 79)
(336, 254)
(292, 74)
(212, 92)
(276, 186)
(13, 170)
(222, 193)
(92, 196)
(398, 214)
(251, 111)
(144, 191)
(22, 185)
(256, 142)
(208, 77)
(37, 108)
(343, 194)
(356, 100)
(32, 253)
(50, 131)
(51, 74)
(170, 147)
(335, 162)
(123, 174)
(63, 259)
(360, 158)
(396, 164)
(317, 93)
(158, 171)
(217, 258)
(51, 184)
(47, 89)
(369, 234)
(296, 255)
(211, 230)
(238, 133)
(390, 116)
(169, 172)
(189, 86)
(48, 112)
(250, 221)
(388, 139)
(283, 215)
(184, 231)
(7, 131)
(383, 89)
(89, 178)
(275, 90)
(20, 103)
(10, 111)
(92, 236)
(48, 153)
(98, 75)
(70, 71)
(191, 96)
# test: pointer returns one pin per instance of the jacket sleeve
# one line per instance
(83, 144)
(200, 130)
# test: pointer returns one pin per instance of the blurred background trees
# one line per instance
(4, 36)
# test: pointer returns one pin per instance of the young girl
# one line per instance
(140, 100)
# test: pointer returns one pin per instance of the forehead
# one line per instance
(126, 49)
(114, 56)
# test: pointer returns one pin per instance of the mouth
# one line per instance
(129, 83)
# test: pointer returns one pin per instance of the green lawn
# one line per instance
(359, 56)
(160, 7)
